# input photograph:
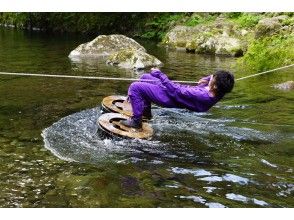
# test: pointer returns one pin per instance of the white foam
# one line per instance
(195, 172)
(268, 163)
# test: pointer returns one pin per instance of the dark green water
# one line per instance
(239, 154)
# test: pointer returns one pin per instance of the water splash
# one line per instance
(77, 137)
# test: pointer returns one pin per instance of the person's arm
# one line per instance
(205, 80)
(170, 86)
(178, 90)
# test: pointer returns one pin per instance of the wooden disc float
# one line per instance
(117, 104)
(110, 123)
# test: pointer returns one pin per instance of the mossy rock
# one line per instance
(268, 26)
(228, 46)
(133, 59)
(105, 45)
(221, 37)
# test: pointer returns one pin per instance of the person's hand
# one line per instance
(155, 72)
(155, 69)
(202, 81)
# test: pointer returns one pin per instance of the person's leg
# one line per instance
(147, 105)
(141, 95)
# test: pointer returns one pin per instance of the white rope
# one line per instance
(86, 77)
(125, 79)
(268, 71)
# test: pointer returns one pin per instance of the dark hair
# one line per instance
(224, 81)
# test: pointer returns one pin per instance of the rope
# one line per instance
(126, 79)
(268, 71)
(86, 77)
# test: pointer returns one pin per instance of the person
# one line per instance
(156, 87)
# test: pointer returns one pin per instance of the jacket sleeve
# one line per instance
(175, 89)
(207, 78)
(170, 86)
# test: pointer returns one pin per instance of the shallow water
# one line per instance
(239, 154)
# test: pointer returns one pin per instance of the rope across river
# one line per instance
(126, 79)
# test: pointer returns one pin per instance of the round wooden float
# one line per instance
(110, 123)
(117, 104)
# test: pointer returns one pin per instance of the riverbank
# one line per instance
(261, 40)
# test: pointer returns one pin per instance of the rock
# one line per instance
(105, 45)
(219, 38)
(282, 17)
(208, 46)
(179, 36)
(221, 45)
(243, 32)
(268, 26)
(286, 86)
(136, 59)
(228, 46)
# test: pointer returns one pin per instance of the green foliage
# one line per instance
(198, 19)
(145, 25)
(247, 19)
(157, 25)
(233, 14)
(268, 53)
(289, 21)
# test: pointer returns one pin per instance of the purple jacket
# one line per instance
(194, 98)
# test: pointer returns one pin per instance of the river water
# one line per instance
(239, 154)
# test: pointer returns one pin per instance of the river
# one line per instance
(52, 154)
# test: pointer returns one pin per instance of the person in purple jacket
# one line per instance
(163, 92)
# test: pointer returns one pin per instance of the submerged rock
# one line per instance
(133, 59)
(105, 45)
(286, 86)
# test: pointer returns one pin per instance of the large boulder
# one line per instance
(180, 35)
(119, 50)
(229, 46)
(105, 45)
(269, 26)
(220, 38)
(136, 59)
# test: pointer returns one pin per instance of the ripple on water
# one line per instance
(200, 125)
(245, 199)
(195, 172)
(199, 199)
(227, 177)
(268, 163)
(77, 138)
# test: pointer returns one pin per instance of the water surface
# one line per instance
(239, 154)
